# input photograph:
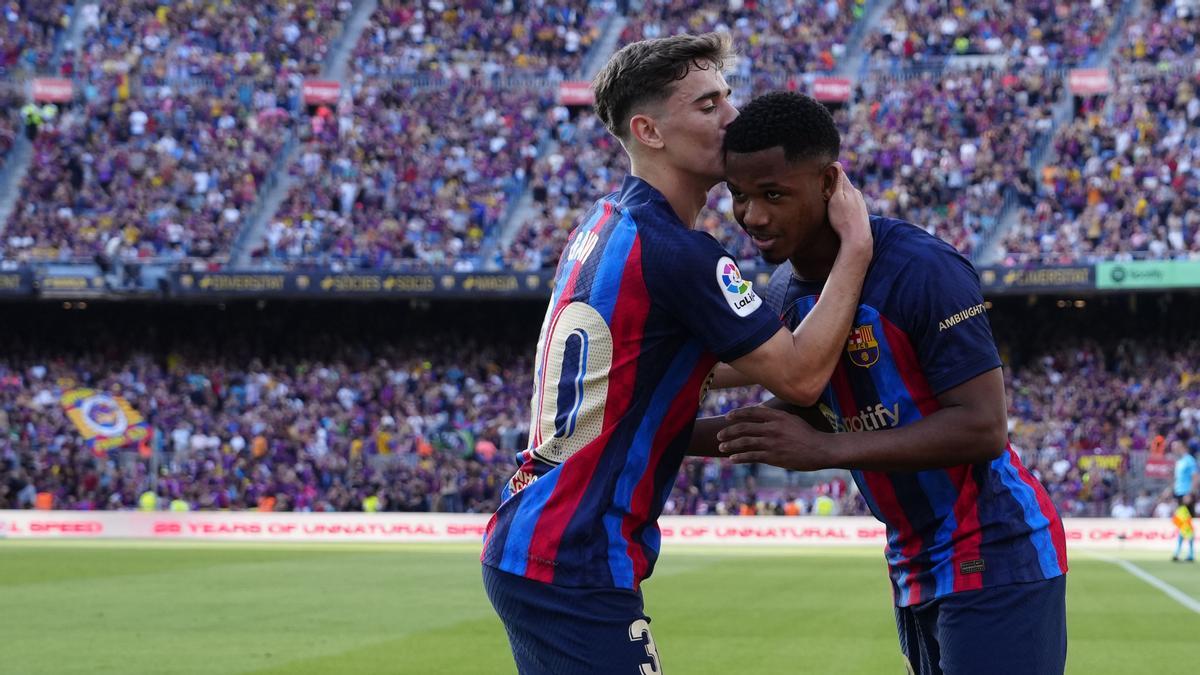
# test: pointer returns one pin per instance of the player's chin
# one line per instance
(770, 250)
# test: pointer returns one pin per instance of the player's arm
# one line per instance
(704, 434)
(797, 365)
(726, 376)
(970, 427)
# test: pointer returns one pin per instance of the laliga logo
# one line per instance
(732, 278)
(738, 292)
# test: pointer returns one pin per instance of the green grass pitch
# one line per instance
(226, 608)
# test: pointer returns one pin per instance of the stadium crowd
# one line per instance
(940, 152)
(183, 108)
(180, 111)
(418, 172)
(30, 33)
(469, 40)
(448, 116)
(778, 40)
(388, 180)
(1123, 181)
(321, 413)
(168, 42)
(1034, 33)
(166, 174)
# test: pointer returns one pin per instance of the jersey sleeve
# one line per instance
(947, 319)
(697, 282)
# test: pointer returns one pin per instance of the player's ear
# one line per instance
(829, 180)
(644, 129)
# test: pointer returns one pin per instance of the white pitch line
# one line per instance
(1172, 592)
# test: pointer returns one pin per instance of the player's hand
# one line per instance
(848, 214)
(769, 436)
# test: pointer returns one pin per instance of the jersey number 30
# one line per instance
(577, 357)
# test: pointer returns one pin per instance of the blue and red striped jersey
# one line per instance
(922, 329)
(643, 308)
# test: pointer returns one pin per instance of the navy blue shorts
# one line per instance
(556, 630)
(1019, 628)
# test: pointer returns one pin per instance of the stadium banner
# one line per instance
(1037, 279)
(1089, 81)
(250, 526)
(16, 282)
(51, 90)
(831, 89)
(363, 284)
(1148, 274)
(69, 284)
(1159, 468)
(317, 92)
(576, 93)
(106, 422)
(1114, 463)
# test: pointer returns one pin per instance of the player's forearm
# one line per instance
(726, 376)
(704, 437)
(820, 338)
(949, 437)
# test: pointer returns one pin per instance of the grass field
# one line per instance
(213, 608)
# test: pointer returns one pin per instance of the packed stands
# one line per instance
(30, 33)
(419, 167)
(1122, 182)
(1033, 33)
(447, 117)
(390, 181)
(543, 38)
(941, 152)
(166, 174)
(180, 111)
(317, 407)
(777, 39)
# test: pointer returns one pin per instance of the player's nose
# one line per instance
(730, 113)
(754, 216)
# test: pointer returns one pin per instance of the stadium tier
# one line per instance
(1036, 33)
(187, 132)
(441, 153)
(320, 406)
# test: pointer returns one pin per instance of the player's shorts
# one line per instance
(556, 630)
(1018, 628)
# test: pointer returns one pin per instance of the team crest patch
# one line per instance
(738, 292)
(862, 347)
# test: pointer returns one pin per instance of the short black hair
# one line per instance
(799, 123)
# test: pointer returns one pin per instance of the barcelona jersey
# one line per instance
(642, 310)
(921, 329)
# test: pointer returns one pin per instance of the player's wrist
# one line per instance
(859, 247)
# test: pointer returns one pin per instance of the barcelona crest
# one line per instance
(862, 348)
(105, 422)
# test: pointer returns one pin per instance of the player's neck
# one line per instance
(813, 262)
(686, 194)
